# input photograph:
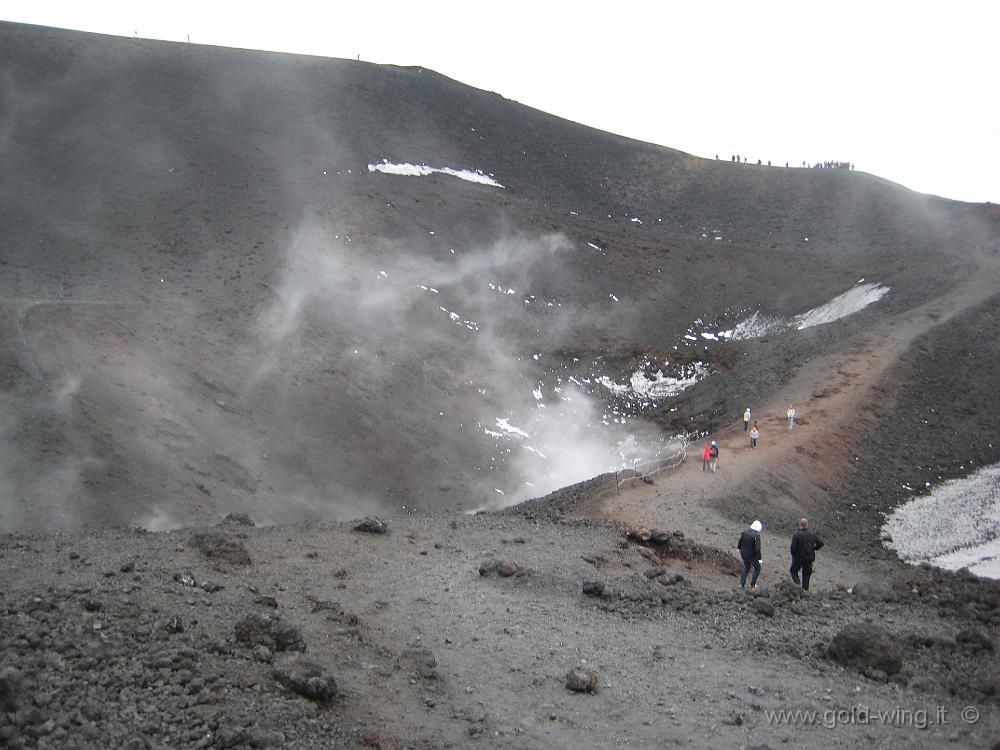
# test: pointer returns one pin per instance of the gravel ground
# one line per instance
(133, 639)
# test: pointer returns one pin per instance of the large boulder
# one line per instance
(263, 629)
(593, 587)
(873, 591)
(10, 689)
(419, 662)
(372, 525)
(582, 679)
(306, 678)
(216, 545)
(866, 647)
(974, 640)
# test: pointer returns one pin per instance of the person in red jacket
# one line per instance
(706, 456)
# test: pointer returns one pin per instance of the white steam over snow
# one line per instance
(422, 170)
(955, 526)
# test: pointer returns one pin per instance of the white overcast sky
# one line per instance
(905, 90)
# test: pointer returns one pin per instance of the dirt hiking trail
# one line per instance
(791, 473)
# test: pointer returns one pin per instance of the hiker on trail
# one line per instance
(749, 547)
(754, 434)
(706, 457)
(746, 419)
(805, 542)
(791, 416)
(714, 454)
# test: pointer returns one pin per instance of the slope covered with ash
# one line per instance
(210, 302)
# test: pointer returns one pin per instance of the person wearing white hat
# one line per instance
(750, 551)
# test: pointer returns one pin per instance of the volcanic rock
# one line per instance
(866, 646)
(269, 630)
(593, 587)
(307, 678)
(582, 679)
(372, 525)
(216, 545)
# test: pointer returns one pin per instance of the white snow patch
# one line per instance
(841, 306)
(666, 387)
(534, 450)
(612, 385)
(755, 326)
(506, 426)
(657, 387)
(848, 303)
(414, 170)
(956, 526)
(459, 320)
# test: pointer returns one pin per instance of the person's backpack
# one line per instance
(715, 451)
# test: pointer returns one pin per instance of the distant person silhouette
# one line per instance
(791, 416)
(706, 457)
(715, 456)
(754, 435)
(746, 419)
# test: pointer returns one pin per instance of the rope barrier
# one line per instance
(654, 466)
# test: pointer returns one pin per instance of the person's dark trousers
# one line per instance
(806, 567)
(747, 564)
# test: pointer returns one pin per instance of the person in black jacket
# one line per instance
(749, 547)
(805, 542)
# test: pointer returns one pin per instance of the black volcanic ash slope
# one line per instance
(209, 303)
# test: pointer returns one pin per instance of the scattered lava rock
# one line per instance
(582, 679)
(10, 689)
(763, 606)
(269, 630)
(185, 579)
(593, 587)
(218, 546)
(866, 647)
(372, 525)
(502, 568)
(306, 678)
(874, 592)
(974, 640)
(419, 662)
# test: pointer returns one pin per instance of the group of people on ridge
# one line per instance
(805, 542)
(710, 453)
